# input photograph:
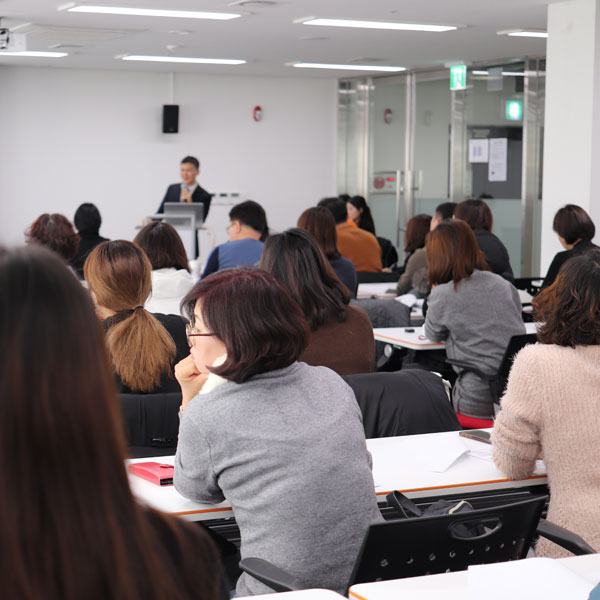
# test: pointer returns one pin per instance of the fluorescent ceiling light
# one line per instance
(302, 65)
(375, 24)
(504, 73)
(34, 54)
(534, 33)
(182, 59)
(149, 12)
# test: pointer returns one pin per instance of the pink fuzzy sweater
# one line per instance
(552, 406)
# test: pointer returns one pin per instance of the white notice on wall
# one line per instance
(478, 151)
(498, 159)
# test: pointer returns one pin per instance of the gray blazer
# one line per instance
(287, 449)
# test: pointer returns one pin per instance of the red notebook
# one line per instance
(157, 473)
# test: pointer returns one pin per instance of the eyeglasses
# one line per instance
(190, 332)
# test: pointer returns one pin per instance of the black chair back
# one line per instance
(516, 343)
(429, 545)
(151, 423)
(402, 403)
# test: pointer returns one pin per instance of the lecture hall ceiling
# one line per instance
(267, 37)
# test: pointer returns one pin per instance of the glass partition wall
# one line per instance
(408, 143)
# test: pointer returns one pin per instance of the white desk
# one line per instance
(452, 586)
(414, 338)
(315, 594)
(394, 468)
(377, 290)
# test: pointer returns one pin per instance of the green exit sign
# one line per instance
(458, 77)
(514, 110)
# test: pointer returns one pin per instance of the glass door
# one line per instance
(387, 137)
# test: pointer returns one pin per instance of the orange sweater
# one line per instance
(360, 247)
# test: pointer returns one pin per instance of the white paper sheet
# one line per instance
(497, 167)
(433, 458)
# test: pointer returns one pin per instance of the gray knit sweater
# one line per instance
(287, 449)
(476, 320)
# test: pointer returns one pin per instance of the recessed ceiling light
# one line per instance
(375, 24)
(148, 12)
(304, 65)
(182, 59)
(534, 33)
(34, 54)
(504, 73)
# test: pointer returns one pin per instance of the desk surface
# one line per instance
(414, 337)
(452, 586)
(377, 290)
(399, 463)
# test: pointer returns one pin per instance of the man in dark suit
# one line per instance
(188, 190)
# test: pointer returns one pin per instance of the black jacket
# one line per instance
(87, 243)
(562, 257)
(495, 253)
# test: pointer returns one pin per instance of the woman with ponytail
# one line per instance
(143, 346)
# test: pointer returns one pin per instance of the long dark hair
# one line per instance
(295, 259)
(365, 220)
(70, 526)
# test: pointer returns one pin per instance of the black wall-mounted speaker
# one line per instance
(170, 118)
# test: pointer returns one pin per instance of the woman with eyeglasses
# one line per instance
(282, 441)
(71, 528)
(144, 347)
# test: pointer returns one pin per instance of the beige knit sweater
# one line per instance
(552, 406)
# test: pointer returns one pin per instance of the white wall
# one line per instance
(73, 136)
(572, 119)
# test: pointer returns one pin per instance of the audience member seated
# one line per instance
(144, 347)
(417, 229)
(359, 212)
(443, 212)
(356, 244)
(55, 232)
(575, 232)
(342, 336)
(71, 528)
(319, 221)
(87, 221)
(171, 278)
(477, 214)
(474, 311)
(247, 231)
(551, 408)
(282, 441)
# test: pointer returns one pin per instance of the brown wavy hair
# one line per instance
(319, 221)
(56, 232)
(141, 349)
(261, 325)
(163, 246)
(570, 307)
(71, 528)
(452, 253)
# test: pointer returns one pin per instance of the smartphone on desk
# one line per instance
(476, 434)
